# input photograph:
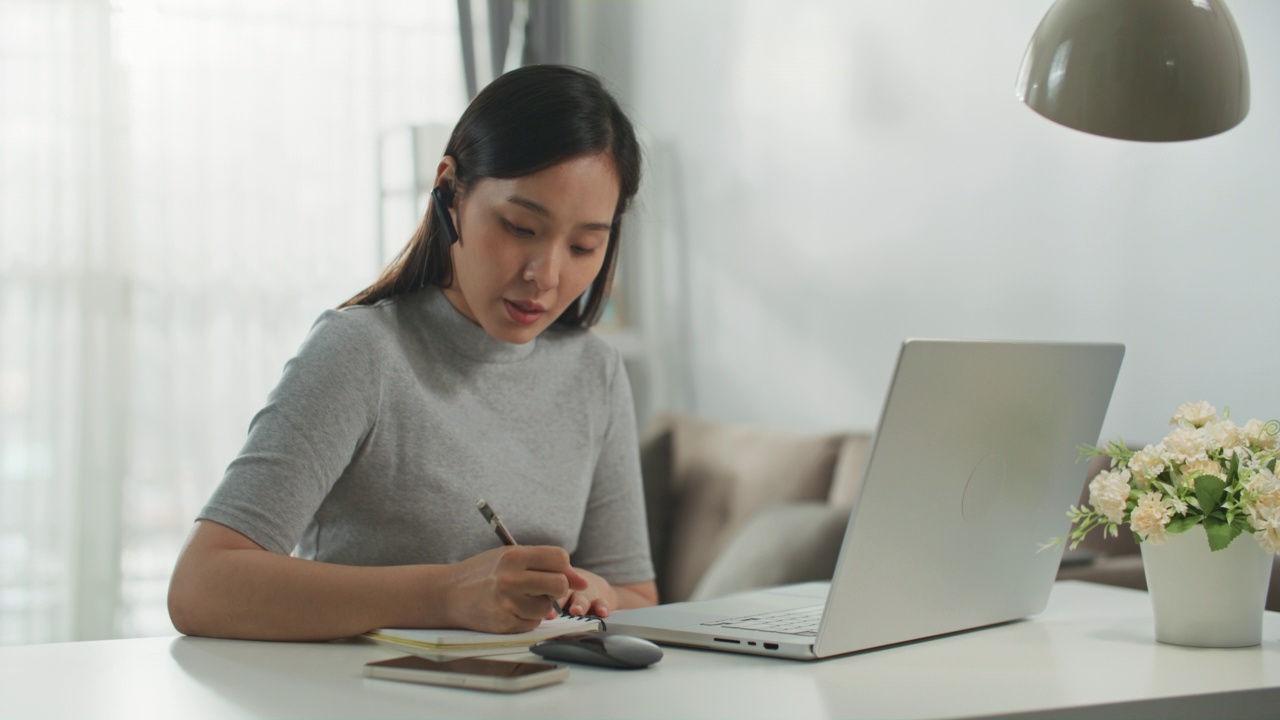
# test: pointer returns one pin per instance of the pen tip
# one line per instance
(481, 503)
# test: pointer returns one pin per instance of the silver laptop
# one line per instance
(972, 469)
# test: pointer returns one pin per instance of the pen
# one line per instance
(504, 535)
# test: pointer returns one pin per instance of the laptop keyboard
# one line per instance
(801, 621)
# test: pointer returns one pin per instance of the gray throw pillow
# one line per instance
(788, 542)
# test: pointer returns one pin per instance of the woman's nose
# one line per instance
(543, 269)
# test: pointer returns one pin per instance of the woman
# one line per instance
(465, 372)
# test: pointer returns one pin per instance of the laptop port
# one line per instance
(727, 640)
(771, 646)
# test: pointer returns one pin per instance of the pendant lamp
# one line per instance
(1151, 70)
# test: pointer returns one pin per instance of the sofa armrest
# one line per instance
(655, 467)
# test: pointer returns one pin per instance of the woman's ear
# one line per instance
(446, 172)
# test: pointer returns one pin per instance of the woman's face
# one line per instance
(531, 245)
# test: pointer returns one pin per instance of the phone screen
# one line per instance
(468, 666)
(471, 673)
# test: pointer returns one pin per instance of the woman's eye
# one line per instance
(580, 250)
(517, 230)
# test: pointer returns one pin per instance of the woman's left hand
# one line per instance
(599, 597)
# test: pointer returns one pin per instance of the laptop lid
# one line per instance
(972, 469)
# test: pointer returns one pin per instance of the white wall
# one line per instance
(839, 175)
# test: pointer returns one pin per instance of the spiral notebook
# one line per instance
(469, 643)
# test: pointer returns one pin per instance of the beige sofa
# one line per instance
(734, 507)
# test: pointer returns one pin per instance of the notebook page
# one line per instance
(447, 638)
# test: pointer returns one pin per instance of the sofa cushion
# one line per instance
(723, 474)
(851, 463)
(789, 542)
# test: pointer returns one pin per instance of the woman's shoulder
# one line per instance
(582, 345)
(358, 328)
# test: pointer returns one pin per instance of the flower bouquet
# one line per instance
(1207, 471)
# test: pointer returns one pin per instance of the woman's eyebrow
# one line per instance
(537, 208)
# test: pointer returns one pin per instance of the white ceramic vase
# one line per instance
(1204, 598)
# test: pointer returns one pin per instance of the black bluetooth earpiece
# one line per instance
(442, 199)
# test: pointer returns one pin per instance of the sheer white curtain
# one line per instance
(184, 186)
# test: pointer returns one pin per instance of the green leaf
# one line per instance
(1053, 542)
(1117, 450)
(1181, 524)
(1220, 534)
(1234, 473)
(1209, 491)
(1086, 451)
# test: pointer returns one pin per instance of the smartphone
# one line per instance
(474, 673)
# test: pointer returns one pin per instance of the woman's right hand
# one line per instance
(509, 589)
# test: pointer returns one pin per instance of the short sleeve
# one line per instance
(614, 541)
(300, 443)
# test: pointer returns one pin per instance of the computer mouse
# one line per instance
(602, 648)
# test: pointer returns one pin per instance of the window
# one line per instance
(184, 186)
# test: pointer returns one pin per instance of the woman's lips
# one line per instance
(525, 313)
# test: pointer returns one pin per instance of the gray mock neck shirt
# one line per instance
(394, 419)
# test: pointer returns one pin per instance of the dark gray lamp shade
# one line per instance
(1153, 70)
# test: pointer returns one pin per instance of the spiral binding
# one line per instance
(584, 618)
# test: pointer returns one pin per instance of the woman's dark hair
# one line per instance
(525, 121)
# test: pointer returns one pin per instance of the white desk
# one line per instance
(1092, 653)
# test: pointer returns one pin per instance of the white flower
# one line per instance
(1196, 414)
(1262, 481)
(1146, 465)
(1196, 468)
(1184, 445)
(1150, 517)
(1200, 445)
(1264, 516)
(1225, 434)
(1109, 493)
(1255, 430)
